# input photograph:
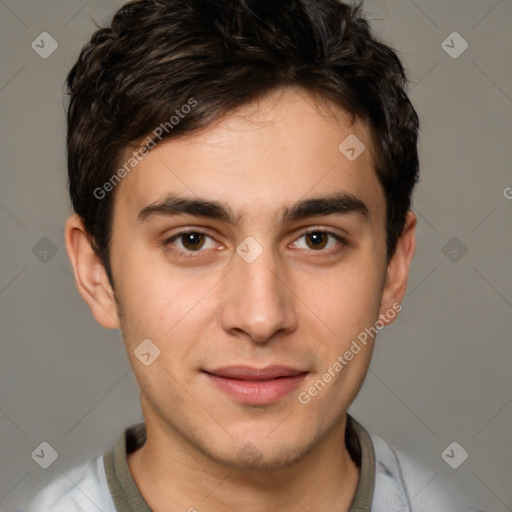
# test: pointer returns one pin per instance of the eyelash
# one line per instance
(188, 254)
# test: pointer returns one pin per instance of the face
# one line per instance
(252, 254)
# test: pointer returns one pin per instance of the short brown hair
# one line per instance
(157, 55)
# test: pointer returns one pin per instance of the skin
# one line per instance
(295, 305)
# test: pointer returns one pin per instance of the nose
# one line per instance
(257, 301)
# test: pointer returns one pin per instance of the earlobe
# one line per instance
(90, 276)
(398, 271)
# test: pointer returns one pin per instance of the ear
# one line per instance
(91, 278)
(398, 272)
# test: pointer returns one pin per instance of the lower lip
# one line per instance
(257, 392)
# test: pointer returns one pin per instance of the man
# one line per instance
(241, 173)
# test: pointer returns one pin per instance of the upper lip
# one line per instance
(250, 373)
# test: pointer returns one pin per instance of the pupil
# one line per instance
(193, 240)
(318, 239)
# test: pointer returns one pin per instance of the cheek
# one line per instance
(348, 304)
(347, 299)
(158, 299)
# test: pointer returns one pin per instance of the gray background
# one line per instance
(441, 372)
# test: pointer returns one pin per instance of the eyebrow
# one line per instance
(334, 204)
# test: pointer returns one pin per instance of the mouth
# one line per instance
(256, 386)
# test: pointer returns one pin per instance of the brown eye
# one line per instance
(193, 240)
(316, 239)
(321, 241)
(190, 244)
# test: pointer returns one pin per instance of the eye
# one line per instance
(186, 243)
(191, 241)
(320, 240)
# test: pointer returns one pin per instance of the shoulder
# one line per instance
(403, 483)
(83, 488)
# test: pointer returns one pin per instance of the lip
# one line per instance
(256, 386)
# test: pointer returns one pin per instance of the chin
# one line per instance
(262, 455)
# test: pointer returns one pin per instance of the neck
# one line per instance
(173, 476)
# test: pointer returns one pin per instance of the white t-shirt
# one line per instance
(389, 481)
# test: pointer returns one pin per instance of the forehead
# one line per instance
(257, 159)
